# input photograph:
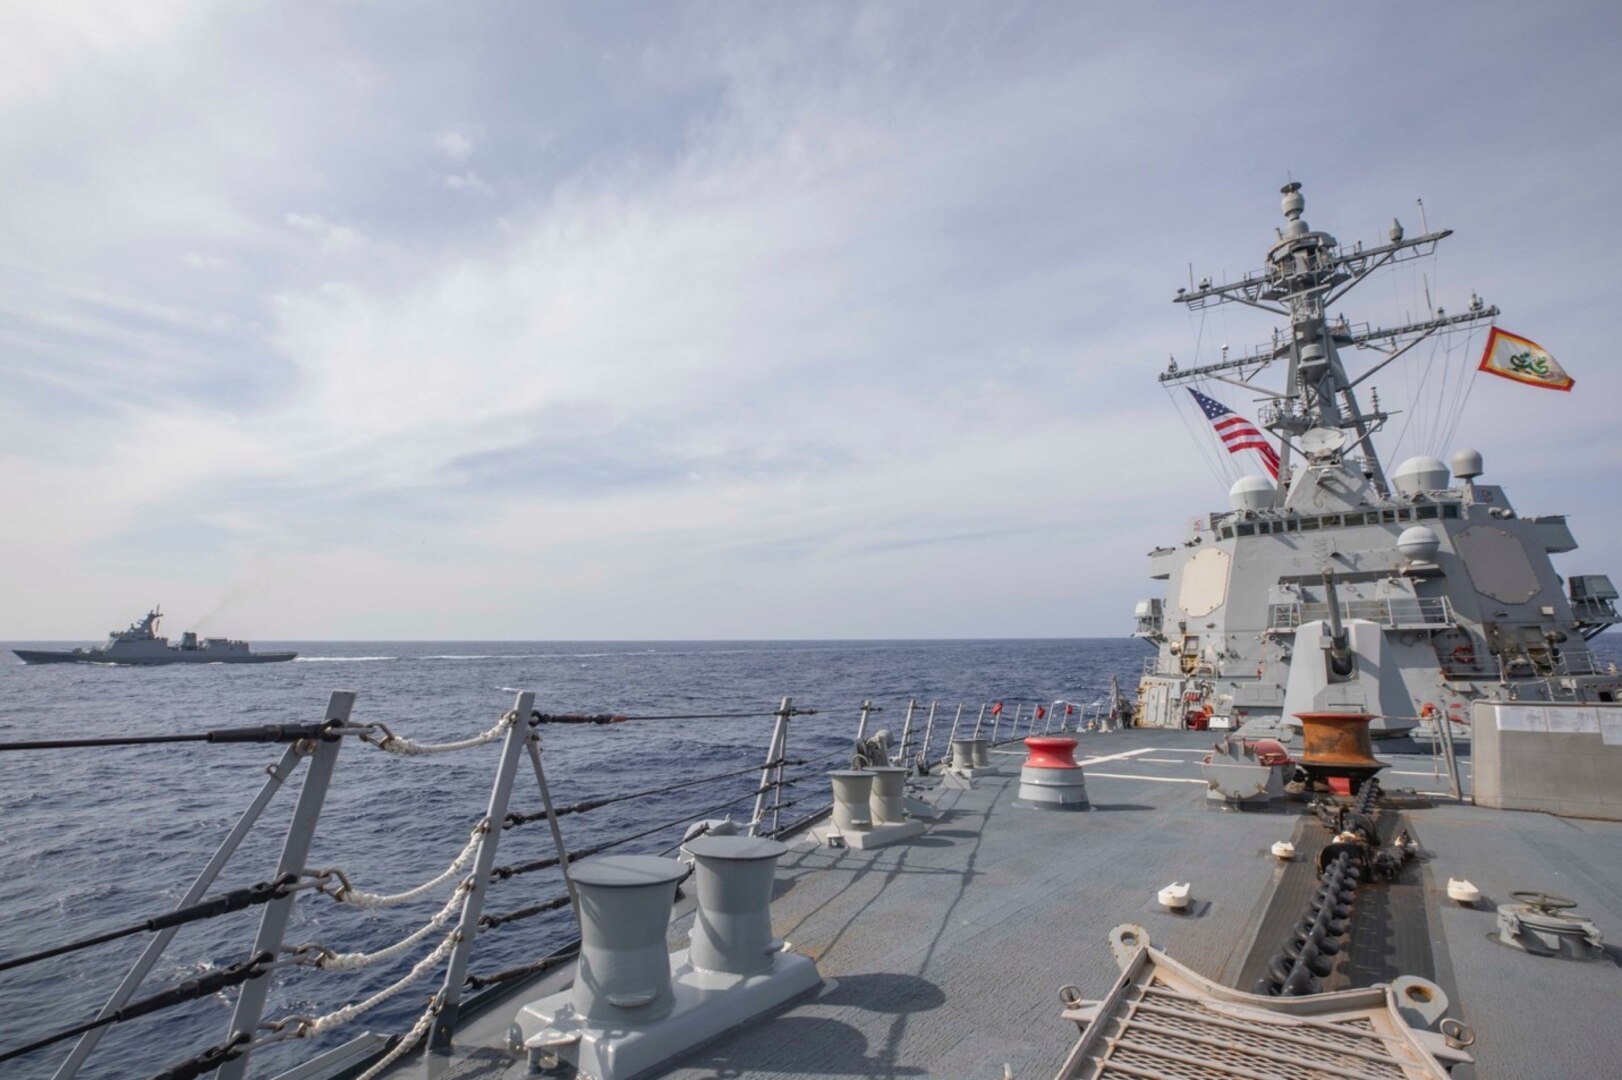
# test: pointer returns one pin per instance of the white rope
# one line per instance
(355, 960)
(398, 744)
(407, 1041)
(338, 1017)
(367, 900)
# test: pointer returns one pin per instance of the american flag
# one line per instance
(1237, 433)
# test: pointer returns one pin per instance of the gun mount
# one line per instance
(1338, 649)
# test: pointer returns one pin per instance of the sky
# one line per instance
(706, 320)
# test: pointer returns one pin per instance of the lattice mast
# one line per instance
(1306, 273)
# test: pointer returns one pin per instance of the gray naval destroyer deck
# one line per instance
(1176, 904)
(1368, 602)
(944, 957)
(139, 645)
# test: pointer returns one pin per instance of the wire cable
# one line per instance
(224, 904)
(202, 986)
(592, 804)
(538, 717)
(546, 963)
(260, 733)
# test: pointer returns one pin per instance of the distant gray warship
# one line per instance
(140, 646)
(1448, 592)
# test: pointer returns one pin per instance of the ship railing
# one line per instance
(1547, 663)
(1593, 614)
(1393, 613)
(445, 940)
(1578, 662)
(998, 722)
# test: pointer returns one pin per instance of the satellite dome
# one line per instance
(1250, 493)
(1467, 464)
(1419, 543)
(1293, 202)
(1423, 473)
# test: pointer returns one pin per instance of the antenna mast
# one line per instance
(1306, 273)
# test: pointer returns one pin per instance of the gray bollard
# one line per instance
(963, 754)
(977, 748)
(732, 932)
(624, 969)
(889, 788)
(852, 790)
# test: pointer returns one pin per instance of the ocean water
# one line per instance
(95, 839)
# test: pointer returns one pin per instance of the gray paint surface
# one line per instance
(1459, 586)
(944, 955)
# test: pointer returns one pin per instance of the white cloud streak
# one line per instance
(806, 324)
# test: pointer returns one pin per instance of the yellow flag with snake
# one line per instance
(1523, 360)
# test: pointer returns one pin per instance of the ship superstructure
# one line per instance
(140, 645)
(1453, 590)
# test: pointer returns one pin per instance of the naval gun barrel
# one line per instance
(1340, 643)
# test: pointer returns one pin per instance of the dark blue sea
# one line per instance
(95, 839)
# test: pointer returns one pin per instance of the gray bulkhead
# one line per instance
(1462, 589)
(1483, 615)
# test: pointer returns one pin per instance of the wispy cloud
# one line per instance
(454, 145)
(796, 321)
(200, 261)
(335, 238)
(468, 180)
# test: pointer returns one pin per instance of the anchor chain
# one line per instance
(1354, 856)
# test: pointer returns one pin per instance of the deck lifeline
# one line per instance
(944, 955)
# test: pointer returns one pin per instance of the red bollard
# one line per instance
(1051, 753)
(1050, 778)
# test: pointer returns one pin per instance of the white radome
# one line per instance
(1467, 464)
(1422, 473)
(1419, 543)
(1250, 493)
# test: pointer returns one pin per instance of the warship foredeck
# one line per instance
(943, 956)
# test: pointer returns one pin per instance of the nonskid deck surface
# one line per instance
(943, 956)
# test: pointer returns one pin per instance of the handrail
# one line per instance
(1410, 612)
(277, 776)
(449, 936)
